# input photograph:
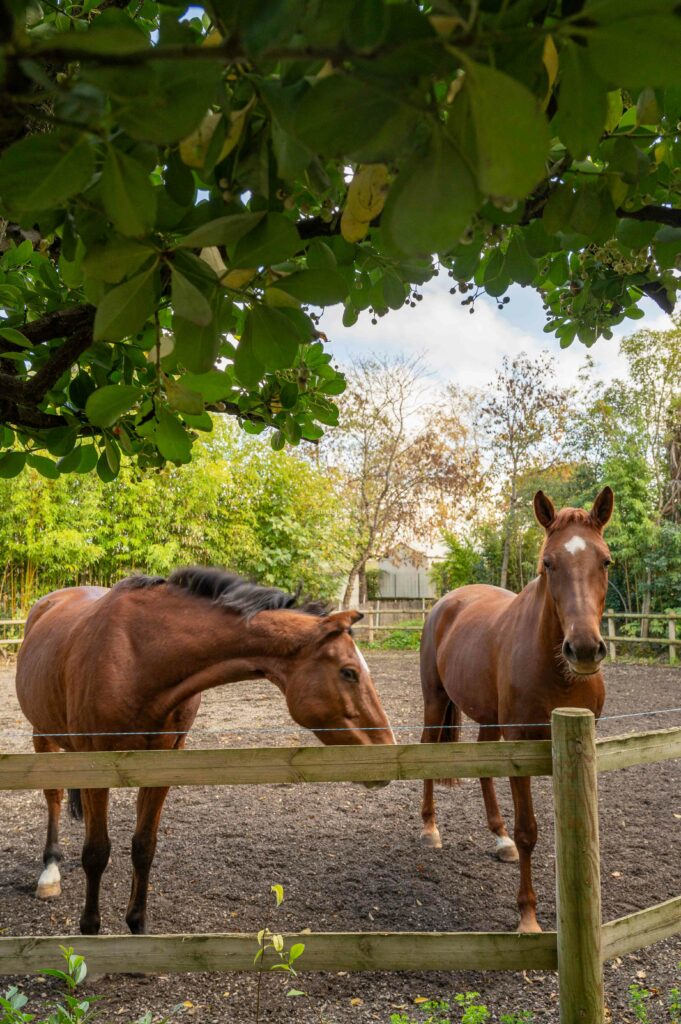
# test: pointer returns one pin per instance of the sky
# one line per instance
(467, 349)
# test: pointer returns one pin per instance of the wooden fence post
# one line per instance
(578, 877)
(370, 626)
(672, 636)
(611, 635)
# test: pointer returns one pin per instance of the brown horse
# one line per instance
(503, 658)
(137, 658)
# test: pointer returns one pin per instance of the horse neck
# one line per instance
(201, 645)
(539, 607)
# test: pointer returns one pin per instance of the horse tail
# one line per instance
(75, 805)
(450, 732)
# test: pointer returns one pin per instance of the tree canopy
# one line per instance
(181, 191)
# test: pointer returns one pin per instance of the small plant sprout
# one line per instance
(473, 1011)
(638, 996)
(273, 943)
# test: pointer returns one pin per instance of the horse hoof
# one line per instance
(48, 890)
(432, 839)
(529, 927)
(49, 883)
(506, 850)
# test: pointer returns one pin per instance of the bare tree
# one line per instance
(405, 463)
(523, 416)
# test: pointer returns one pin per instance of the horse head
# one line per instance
(329, 688)
(574, 561)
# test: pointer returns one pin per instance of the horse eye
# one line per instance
(547, 564)
(607, 562)
(350, 674)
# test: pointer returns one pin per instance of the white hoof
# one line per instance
(432, 839)
(505, 849)
(49, 883)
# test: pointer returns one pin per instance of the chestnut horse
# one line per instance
(503, 658)
(137, 658)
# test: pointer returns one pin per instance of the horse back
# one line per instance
(50, 634)
(459, 645)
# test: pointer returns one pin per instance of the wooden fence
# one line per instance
(379, 620)
(577, 949)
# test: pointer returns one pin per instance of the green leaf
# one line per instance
(162, 101)
(183, 399)
(296, 950)
(112, 32)
(188, 302)
(635, 234)
(518, 263)
(42, 171)
(223, 231)
(582, 102)
(638, 51)
(318, 287)
(172, 440)
(128, 195)
(667, 244)
(11, 464)
(558, 209)
(211, 386)
(104, 471)
(124, 310)
(115, 259)
(196, 348)
(275, 338)
(367, 25)
(278, 891)
(273, 240)
(511, 132)
(46, 467)
(327, 121)
(16, 337)
(431, 203)
(106, 405)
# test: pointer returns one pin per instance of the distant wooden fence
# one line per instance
(385, 615)
(577, 948)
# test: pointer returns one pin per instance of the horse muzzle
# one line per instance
(584, 656)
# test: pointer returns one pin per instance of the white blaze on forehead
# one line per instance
(575, 544)
(362, 660)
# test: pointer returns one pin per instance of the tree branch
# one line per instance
(658, 214)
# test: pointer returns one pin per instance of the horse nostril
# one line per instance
(601, 651)
(569, 651)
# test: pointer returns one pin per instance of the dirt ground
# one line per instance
(349, 859)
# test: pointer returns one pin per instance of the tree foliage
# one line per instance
(267, 514)
(180, 193)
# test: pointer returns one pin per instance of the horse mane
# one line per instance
(228, 590)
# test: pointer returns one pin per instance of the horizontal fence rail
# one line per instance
(324, 951)
(105, 769)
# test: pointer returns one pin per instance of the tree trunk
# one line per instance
(504, 560)
(645, 604)
(508, 531)
(363, 595)
(357, 569)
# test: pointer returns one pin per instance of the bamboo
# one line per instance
(578, 892)
(331, 951)
(643, 928)
(638, 748)
(256, 765)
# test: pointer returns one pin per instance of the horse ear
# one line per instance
(543, 509)
(602, 508)
(340, 622)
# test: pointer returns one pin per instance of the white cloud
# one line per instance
(467, 349)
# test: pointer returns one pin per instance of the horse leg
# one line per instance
(526, 838)
(96, 850)
(435, 709)
(505, 848)
(49, 883)
(149, 806)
